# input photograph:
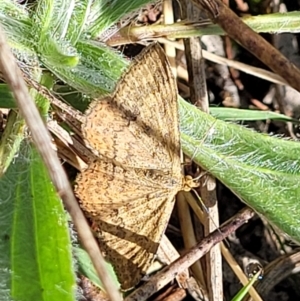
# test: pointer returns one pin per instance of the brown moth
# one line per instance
(128, 192)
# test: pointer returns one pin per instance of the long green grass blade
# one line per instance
(232, 114)
(244, 290)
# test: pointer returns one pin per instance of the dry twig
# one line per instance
(163, 277)
(250, 40)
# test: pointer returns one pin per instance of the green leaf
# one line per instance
(35, 247)
(52, 23)
(105, 65)
(105, 13)
(15, 126)
(98, 71)
(7, 100)
(11, 139)
(17, 27)
(46, 79)
(86, 267)
(263, 171)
